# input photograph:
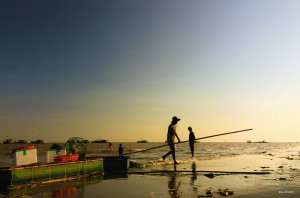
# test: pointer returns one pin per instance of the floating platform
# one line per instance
(35, 174)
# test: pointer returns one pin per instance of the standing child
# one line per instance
(191, 140)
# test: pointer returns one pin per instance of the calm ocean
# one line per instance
(203, 151)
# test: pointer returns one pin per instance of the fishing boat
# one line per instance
(22, 142)
(261, 141)
(8, 141)
(100, 141)
(36, 174)
(142, 141)
(27, 171)
(38, 142)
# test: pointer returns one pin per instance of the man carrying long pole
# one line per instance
(239, 131)
(171, 138)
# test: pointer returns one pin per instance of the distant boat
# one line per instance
(38, 142)
(142, 141)
(8, 141)
(22, 142)
(261, 141)
(99, 141)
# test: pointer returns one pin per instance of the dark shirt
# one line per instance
(192, 137)
(121, 150)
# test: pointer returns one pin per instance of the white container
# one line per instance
(23, 156)
(52, 153)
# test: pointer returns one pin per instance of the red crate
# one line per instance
(66, 158)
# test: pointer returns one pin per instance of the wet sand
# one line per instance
(283, 180)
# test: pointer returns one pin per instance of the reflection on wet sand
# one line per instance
(173, 185)
(75, 188)
(69, 191)
(194, 176)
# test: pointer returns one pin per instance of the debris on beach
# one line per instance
(209, 175)
(280, 166)
(224, 192)
(208, 191)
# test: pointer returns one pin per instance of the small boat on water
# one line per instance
(261, 141)
(22, 142)
(142, 141)
(249, 141)
(99, 141)
(38, 142)
(8, 141)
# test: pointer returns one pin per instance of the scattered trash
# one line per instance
(225, 192)
(208, 191)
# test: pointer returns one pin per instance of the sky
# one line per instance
(120, 70)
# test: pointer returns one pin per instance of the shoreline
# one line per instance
(185, 180)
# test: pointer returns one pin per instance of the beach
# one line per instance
(193, 177)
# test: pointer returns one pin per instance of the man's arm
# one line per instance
(177, 137)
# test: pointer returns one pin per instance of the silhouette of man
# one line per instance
(171, 138)
(191, 140)
(121, 150)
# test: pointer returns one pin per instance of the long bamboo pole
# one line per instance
(201, 138)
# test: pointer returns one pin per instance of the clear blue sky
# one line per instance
(120, 70)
